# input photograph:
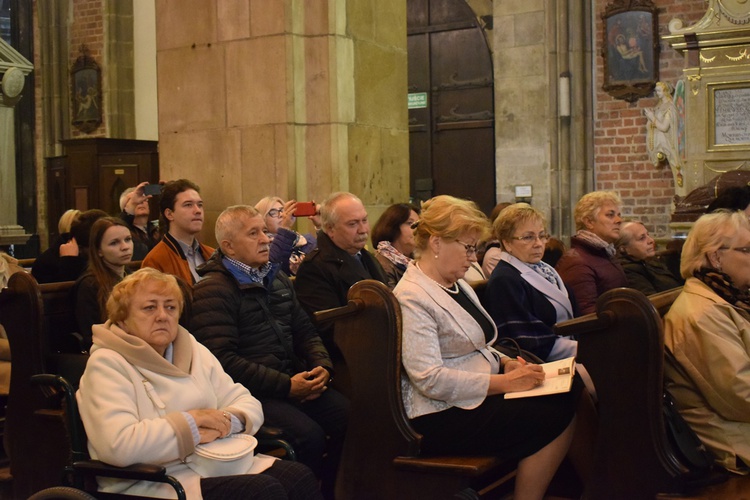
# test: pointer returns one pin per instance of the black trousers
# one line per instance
(283, 480)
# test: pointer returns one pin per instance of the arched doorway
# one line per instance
(451, 115)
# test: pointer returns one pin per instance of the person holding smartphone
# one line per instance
(135, 213)
(288, 247)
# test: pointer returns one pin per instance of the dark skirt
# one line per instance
(511, 429)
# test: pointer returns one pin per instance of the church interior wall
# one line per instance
(620, 156)
(318, 129)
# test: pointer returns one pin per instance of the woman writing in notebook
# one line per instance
(455, 379)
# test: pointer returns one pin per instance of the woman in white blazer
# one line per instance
(455, 382)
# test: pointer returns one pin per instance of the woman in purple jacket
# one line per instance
(590, 268)
(288, 247)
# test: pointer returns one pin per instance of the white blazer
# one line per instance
(446, 357)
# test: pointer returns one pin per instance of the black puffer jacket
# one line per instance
(234, 321)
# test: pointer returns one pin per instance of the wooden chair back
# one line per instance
(622, 347)
(382, 456)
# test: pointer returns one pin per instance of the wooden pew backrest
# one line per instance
(622, 347)
(28, 311)
(381, 457)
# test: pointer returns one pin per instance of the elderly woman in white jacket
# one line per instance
(451, 367)
(151, 393)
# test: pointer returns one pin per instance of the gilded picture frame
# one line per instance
(630, 49)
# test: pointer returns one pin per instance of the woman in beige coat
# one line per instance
(708, 331)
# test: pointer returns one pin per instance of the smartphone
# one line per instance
(305, 209)
(152, 189)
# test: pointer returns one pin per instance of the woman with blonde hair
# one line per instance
(707, 330)
(454, 378)
(525, 296)
(288, 247)
(66, 221)
(589, 267)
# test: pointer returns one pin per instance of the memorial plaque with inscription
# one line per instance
(731, 114)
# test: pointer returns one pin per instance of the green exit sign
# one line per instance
(418, 100)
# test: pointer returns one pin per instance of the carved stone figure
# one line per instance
(662, 127)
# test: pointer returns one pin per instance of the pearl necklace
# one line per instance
(450, 289)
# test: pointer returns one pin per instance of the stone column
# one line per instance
(7, 167)
(296, 98)
(13, 70)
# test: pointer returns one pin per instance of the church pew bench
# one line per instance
(381, 456)
(622, 347)
(37, 319)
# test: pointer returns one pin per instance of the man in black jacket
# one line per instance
(339, 261)
(246, 312)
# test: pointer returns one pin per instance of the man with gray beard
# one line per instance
(339, 261)
(247, 314)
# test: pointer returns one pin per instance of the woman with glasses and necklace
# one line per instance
(455, 381)
(525, 296)
(288, 247)
(590, 267)
(707, 330)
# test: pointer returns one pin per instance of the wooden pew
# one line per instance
(37, 319)
(381, 456)
(622, 347)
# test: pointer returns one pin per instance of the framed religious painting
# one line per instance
(86, 86)
(630, 49)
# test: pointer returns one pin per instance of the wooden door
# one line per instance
(452, 131)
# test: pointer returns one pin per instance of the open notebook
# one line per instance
(559, 378)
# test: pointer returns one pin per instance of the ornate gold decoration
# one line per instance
(732, 16)
(706, 60)
(694, 79)
(741, 166)
(742, 55)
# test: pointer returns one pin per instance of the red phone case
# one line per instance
(305, 209)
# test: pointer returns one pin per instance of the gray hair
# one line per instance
(328, 215)
(230, 221)
(123, 195)
(626, 236)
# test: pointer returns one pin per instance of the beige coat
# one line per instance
(711, 340)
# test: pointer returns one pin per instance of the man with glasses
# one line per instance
(246, 312)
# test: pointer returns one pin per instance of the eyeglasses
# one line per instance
(531, 238)
(275, 213)
(745, 250)
(470, 249)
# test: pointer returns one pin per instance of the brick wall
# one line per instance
(620, 156)
(87, 28)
